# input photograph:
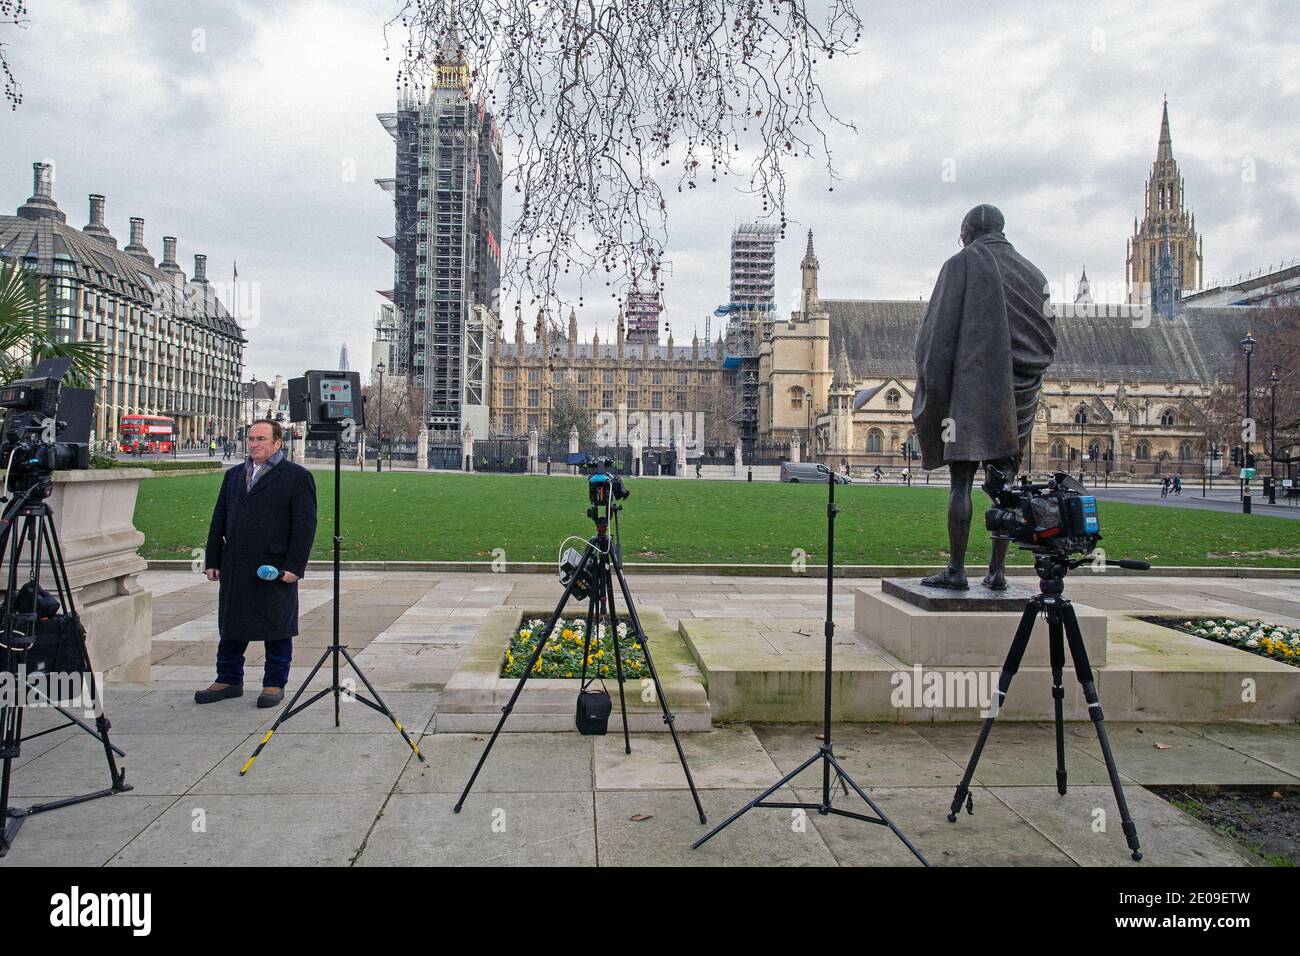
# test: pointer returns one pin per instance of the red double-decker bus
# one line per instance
(153, 433)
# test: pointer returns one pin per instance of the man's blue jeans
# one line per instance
(230, 662)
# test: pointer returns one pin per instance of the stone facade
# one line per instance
(604, 375)
(171, 346)
(1128, 386)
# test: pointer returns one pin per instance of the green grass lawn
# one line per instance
(406, 516)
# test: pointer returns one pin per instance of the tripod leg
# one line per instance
(1083, 670)
(382, 707)
(756, 801)
(284, 714)
(659, 689)
(50, 534)
(532, 661)
(1056, 645)
(1009, 668)
(830, 758)
(607, 582)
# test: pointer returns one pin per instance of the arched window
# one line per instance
(875, 441)
(1081, 416)
(1185, 451)
(1057, 452)
(892, 398)
(913, 447)
(1167, 417)
(1143, 451)
(1133, 416)
(796, 397)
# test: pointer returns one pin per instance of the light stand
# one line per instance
(335, 650)
(825, 753)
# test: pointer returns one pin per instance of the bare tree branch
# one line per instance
(601, 97)
(12, 13)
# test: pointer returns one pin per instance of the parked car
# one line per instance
(808, 471)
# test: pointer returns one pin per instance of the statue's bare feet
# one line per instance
(995, 581)
(947, 578)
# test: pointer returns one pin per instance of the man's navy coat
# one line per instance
(274, 523)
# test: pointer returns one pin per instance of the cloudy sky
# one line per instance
(249, 131)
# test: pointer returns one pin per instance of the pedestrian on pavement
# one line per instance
(1178, 485)
(698, 470)
(265, 515)
(1164, 487)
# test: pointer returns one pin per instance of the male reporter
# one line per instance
(265, 515)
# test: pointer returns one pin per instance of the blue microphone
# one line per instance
(268, 572)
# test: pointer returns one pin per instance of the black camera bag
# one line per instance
(594, 708)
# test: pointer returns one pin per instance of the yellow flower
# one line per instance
(568, 632)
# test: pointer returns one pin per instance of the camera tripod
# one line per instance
(332, 654)
(825, 753)
(1062, 628)
(37, 535)
(601, 564)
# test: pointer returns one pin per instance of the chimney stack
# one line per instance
(137, 247)
(200, 267)
(96, 227)
(168, 263)
(41, 205)
(42, 181)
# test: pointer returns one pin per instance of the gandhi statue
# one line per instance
(982, 349)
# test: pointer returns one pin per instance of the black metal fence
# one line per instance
(501, 454)
(764, 453)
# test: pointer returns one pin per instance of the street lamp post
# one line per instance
(379, 431)
(1248, 347)
(1272, 435)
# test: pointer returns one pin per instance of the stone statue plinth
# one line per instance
(940, 627)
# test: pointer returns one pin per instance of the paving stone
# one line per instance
(312, 763)
(173, 711)
(413, 710)
(1191, 758)
(1276, 745)
(82, 835)
(156, 764)
(1168, 836)
(492, 829)
(994, 836)
(657, 828)
(884, 755)
(1020, 754)
(518, 763)
(256, 830)
(727, 758)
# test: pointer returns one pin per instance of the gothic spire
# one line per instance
(809, 257)
(1165, 147)
(843, 371)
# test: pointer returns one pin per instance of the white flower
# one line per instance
(1256, 635)
(1252, 643)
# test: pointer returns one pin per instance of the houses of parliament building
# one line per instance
(1128, 391)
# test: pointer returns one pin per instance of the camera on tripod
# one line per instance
(46, 427)
(1057, 516)
(605, 484)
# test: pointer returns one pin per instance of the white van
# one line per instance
(810, 472)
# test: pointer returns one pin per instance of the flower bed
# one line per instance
(1277, 641)
(562, 657)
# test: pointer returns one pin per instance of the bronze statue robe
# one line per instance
(981, 351)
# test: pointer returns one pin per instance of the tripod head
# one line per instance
(605, 488)
(1052, 566)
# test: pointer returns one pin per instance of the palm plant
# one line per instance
(29, 330)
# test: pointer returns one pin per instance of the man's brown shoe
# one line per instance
(270, 696)
(218, 692)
